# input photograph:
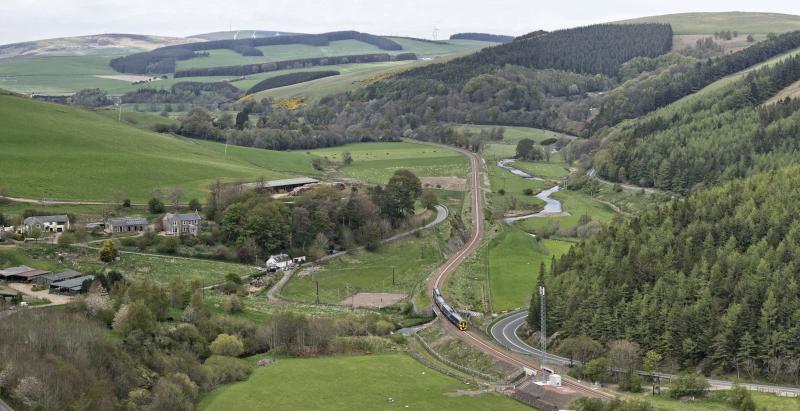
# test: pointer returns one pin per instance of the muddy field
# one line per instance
(445, 183)
(373, 300)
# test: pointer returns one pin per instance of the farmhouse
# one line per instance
(21, 274)
(126, 225)
(48, 279)
(47, 223)
(278, 262)
(182, 224)
(73, 286)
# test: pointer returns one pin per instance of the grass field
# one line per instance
(576, 204)
(708, 23)
(375, 382)
(763, 401)
(363, 271)
(508, 146)
(376, 162)
(554, 170)
(514, 198)
(514, 259)
(157, 268)
(60, 152)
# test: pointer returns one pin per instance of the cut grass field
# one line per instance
(514, 259)
(60, 152)
(376, 162)
(364, 271)
(374, 382)
(708, 23)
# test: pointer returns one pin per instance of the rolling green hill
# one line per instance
(60, 152)
(707, 23)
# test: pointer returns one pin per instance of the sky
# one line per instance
(24, 20)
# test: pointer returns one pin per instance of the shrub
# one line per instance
(501, 191)
(528, 191)
(155, 206)
(740, 399)
(226, 344)
(359, 345)
(688, 384)
(168, 246)
(108, 252)
(232, 304)
(548, 141)
(224, 369)
(630, 382)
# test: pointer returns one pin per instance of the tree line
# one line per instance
(493, 38)
(249, 69)
(707, 282)
(681, 80)
(716, 137)
(162, 60)
(289, 79)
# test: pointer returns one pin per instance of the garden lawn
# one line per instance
(60, 152)
(375, 382)
(514, 259)
(364, 271)
(376, 162)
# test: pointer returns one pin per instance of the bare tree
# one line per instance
(624, 355)
(176, 195)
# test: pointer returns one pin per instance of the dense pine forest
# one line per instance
(715, 137)
(709, 281)
(247, 69)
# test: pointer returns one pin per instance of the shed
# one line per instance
(285, 185)
(72, 286)
(48, 279)
(21, 274)
(127, 224)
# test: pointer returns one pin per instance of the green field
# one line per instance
(514, 258)
(508, 146)
(60, 152)
(376, 162)
(55, 75)
(707, 23)
(514, 198)
(363, 271)
(763, 401)
(133, 266)
(577, 204)
(554, 170)
(375, 382)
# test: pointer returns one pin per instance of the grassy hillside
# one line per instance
(53, 151)
(706, 23)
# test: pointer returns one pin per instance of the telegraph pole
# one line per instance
(392, 275)
(543, 327)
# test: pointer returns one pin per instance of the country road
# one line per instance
(5, 407)
(505, 333)
(437, 280)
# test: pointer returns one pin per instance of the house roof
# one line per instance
(184, 217)
(41, 219)
(128, 221)
(72, 282)
(281, 183)
(61, 276)
(279, 258)
(15, 270)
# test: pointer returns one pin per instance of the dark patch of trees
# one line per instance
(91, 98)
(248, 69)
(198, 93)
(716, 137)
(682, 80)
(494, 38)
(289, 79)
(247, 50)
(162, 60)
(709, 281)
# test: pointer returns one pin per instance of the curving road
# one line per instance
(505, 333)
(437, 280)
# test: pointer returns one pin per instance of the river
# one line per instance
(551, 205)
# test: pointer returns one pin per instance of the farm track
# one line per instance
(471, 337)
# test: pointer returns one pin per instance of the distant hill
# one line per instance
(494, 38)
(707, 23)
(241, 34)
(107, 44)
(62, 152)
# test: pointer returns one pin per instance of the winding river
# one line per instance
(551, 205)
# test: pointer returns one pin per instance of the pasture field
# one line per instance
(514, 198)
(577, 204)
(364, 271)
(514, 258)
(763, 401)
(708, 23)
(373, 382)
(133, 266)
(56, 75)
(554, 170)
(376, 162)
(508, 146)
(83, 213)
(59, 152)
(141, 120)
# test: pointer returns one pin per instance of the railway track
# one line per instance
(473, 338)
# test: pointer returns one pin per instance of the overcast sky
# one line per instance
(23, 20)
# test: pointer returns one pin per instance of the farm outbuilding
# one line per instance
(48, 279)
(73, 286)
(21, 274)
(127, 225)
(280, 186)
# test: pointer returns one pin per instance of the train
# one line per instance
(448, 311)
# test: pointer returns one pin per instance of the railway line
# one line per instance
(437, 280)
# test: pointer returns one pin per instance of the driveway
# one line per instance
(55, 299)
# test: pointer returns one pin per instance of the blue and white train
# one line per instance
(448, 311)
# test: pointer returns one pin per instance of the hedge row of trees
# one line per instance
(162, 60)
(684, 79)
(494, 38)
(723, 135)
(194, 92)
(248, 69)
(709, 281)
(289, 79)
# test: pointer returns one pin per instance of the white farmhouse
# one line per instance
(46, 223)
